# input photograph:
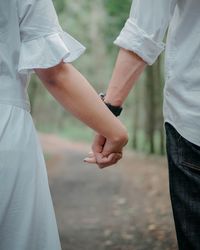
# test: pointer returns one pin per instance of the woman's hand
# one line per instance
(106, 152)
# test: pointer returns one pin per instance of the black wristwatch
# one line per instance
(116, 110)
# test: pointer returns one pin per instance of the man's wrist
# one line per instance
(114, 101)
(115, 109)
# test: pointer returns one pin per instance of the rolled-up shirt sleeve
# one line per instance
(145, 28)
(43, 42)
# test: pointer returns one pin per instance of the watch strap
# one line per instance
(116, 110)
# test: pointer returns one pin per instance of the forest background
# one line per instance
(96, 24)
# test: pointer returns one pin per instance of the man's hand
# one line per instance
(105, 152)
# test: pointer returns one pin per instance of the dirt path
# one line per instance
(121, 208)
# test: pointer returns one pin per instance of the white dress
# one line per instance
(30, 37)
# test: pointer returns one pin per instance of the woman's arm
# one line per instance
(75, 94)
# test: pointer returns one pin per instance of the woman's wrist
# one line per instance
(120, 136)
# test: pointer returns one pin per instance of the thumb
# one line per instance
(98, 144)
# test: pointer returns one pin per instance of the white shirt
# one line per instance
(143, 34)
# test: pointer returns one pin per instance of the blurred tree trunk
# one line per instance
(154, 116)
(98, 47)
(150, 108)
(135, 119)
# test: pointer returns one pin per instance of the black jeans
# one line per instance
(184, 181)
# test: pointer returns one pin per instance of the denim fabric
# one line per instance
(184, 181)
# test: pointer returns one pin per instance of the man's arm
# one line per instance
(141, 43)
(128, 68)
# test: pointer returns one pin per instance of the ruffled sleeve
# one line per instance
(43, 42)
(48, 51)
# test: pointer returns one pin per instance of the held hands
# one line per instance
(106, 152)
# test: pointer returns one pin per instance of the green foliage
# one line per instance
(59, 5)
(118, 9)
(117, 14)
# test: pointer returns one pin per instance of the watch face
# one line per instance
(102, 96)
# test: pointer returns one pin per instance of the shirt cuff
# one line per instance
(135, 39)
(48, 51)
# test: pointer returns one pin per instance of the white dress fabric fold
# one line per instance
(27, 219)
(30, 37)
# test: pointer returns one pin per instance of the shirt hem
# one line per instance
(183, 133)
